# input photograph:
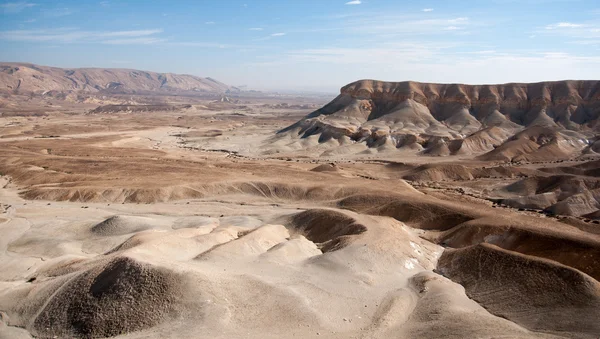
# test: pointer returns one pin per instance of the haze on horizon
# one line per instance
(312, 45)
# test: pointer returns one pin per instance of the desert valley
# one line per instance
(152, 205)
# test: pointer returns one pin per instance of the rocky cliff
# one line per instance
(441, 119)
(565, 103)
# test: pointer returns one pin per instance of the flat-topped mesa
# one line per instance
(572, 104)
(453, 119)
(572, 92)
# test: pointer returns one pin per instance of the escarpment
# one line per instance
(559, 117)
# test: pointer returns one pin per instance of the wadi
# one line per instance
(136, 204)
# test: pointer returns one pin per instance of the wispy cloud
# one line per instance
(136, 33)
(434, 63)
(389, 26)
(586, 42)
(564, 25)
(209, 23)
(459, 20)
(104, 3)
(270, 36)
(427, 9)
(58, 12)
(134, 41)
(484, 52)
(407, 51)
(256, 29)
(15, 7)
(70, 35)
(354, 2)
(583, 33)
(199, 44)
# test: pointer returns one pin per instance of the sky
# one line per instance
(316, 45)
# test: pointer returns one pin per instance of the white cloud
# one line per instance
(58, 12)
(564, 25)
(269, 37)
(209, 23)
(589, 42)
(484, 52)
(363, 50)
(585, 33)
(69, 35)
(256, 29)
(459, 20)
(134, 41)
(427, 9)
(16, 7)
(393, 26)
(425, 63)
(407, 51)
(354, 2)
(198, 44)
(137, 33)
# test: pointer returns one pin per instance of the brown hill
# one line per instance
(27, 78)
(559, 118)
(510, 284)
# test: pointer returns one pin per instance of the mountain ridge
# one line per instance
(431, 119)
(27, 77)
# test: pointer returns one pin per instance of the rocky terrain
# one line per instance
(147, 216)
(511, 122)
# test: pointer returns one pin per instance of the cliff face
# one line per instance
(25, 78)
(542, 93)
(568, 103)
(445, 119)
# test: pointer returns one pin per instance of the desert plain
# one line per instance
(394, 210)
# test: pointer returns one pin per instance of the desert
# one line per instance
(145, 205)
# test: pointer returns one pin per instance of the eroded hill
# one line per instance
(510, 122)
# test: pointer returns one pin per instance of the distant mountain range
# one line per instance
(27, 78)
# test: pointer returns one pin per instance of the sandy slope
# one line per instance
(116, 226)
(200, 272)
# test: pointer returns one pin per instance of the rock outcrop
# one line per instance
(448, 119)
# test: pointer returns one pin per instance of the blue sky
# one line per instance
(313, 44)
